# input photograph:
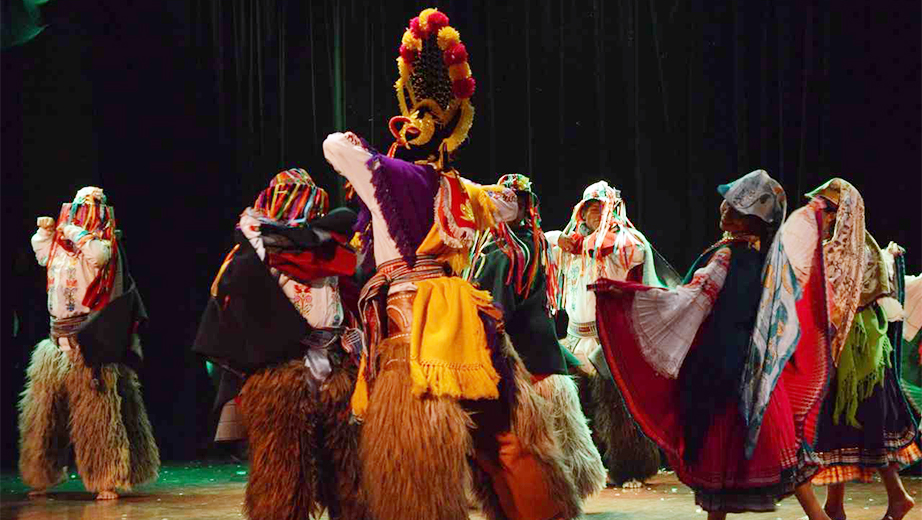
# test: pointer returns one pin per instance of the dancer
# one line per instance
(82, 387)
(911, 359)
(276, 319)
(865, 425)
(512, 261)
(600, 241)
(704, 367)
(438, 382)
(910, 367)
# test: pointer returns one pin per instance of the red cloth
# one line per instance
(310, 264)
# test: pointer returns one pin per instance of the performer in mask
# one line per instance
(82, 387)
(278, 326)
(513, 262)
(600, 241)
(439, 384)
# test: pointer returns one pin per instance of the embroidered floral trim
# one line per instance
(454, 213)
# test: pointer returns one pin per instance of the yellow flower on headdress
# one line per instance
(448, 36)
(411, 41)
(459, 71)
(424, 19)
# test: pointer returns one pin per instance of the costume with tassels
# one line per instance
(82, 387)
(278, 325)
(615, 249)
(512, 261)
(439, 385)
(866, 423)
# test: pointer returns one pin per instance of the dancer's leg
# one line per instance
(43, 437)
(898, 500)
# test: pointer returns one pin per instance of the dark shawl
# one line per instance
(528, 324)
(711, 373)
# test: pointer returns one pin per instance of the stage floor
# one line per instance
(215, 492)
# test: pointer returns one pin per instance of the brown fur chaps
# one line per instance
(105, 422)
(303, 447)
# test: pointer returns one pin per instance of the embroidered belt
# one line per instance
(67, 327)
(390, 316)
(583, 330)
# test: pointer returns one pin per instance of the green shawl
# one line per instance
(865, 357)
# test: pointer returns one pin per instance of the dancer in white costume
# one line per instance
(600, 242)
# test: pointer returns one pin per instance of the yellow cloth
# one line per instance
(359, 401)
(448, 344)
(448, 352)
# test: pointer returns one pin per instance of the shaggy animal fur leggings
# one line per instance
(303, 448)
(628, 453)
(420, 455)
(106, 424)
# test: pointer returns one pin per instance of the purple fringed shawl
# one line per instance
(406, 194)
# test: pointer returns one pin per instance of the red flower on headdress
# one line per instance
(463, 88)
(436, 21)
(408, 55)
(455, 54)
(417, 30)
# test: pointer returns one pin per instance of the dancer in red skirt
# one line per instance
(726, 372)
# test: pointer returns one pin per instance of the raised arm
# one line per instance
(41, 240)
(503, 205)
(96, 250)
(344, 151)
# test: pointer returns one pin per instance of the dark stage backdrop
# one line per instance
(182, 111)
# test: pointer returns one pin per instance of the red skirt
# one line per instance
(723, 479)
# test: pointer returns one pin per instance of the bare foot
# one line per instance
(897, 510)
(632, 484)
(37, 493)
(107, 495)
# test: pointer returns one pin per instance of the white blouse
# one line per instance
(318, 302)
(71, 273)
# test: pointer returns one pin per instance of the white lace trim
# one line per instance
(666, 321)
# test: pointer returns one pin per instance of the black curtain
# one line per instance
(665, 100)
(183, 111)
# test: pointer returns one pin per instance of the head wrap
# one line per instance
(293, 198)
(756, 194)
(524, 269)
(614, 225)
(843, 257)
